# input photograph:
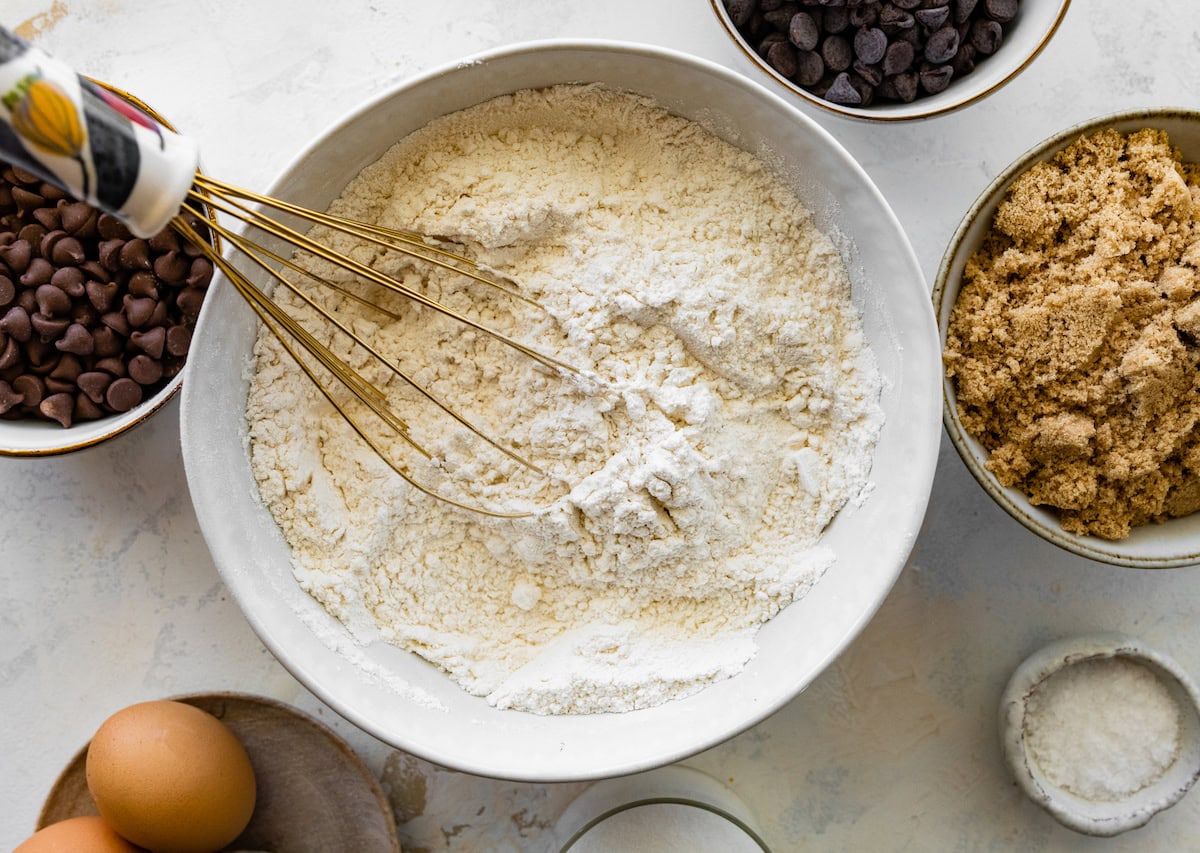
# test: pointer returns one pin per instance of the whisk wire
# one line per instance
(407, 242)
(282, 325)
(343, 372)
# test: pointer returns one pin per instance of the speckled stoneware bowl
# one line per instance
(1089, 816)
(1025, 38)
(404, 701)
(1154, 546)
(30, 437)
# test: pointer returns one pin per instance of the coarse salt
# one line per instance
(1103, 729)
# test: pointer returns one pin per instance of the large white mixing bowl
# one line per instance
(403, 700)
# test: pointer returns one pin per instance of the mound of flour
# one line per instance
(728, 408)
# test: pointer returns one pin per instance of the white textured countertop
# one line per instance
(109, 595)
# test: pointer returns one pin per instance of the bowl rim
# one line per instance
(945, 294)
(899, 112)
(913, 511)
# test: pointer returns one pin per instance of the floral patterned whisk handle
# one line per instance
(72, 132)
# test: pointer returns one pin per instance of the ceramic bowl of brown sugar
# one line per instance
(896, 61)
(1066, 303)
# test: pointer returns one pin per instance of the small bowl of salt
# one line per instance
(1102, 732)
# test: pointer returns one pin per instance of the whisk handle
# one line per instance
(97, 146)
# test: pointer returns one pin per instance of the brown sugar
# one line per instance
(1075, 340)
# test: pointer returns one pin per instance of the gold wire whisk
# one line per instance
(230, 200)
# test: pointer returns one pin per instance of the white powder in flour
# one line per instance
(736, 409)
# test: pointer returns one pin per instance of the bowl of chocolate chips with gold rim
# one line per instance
(890, 61)
(95, 323)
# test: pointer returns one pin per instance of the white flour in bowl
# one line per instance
(735, 409)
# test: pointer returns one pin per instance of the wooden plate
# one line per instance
(314, 793)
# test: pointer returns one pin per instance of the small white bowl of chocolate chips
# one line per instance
(95, 324)
(890, 60)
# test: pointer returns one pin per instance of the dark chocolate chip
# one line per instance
(123, 394)
(48, 328)
(151, 342)
(94, 383)
(933, 17)
(58, 407)
(138, 310)
(76, 339)
(964, 61)
(110, 254)
(113, 365)
(173, 266)
(101, 294)
(79, 219)
(189, 301)
(68, 252)
(907, 84)
(51, 193)
(17, 255)
(164, 242)
(842, 91)
(111, 228)
(963, 10)
(116, 321)
(1000, 10)
(106, 342)
(870, 74)
(26, 199)
(870, 44)
(782, 57)
(892, 19)
(58, 386)
(15, 323)
(32, 233)
(9, 397)
(201, 273)
(803, 31)
(31, 388)
(836, 19)
(837, 54)
(52, 301)
(68, 368)
(936, 78)
(865, 14)
(740, 11)
(8, 291)
(10, 353)
(135, 254)
(142, 283)
(70, 280)
(986, 36)
(38, 272)
(144, 370)
(942, 45)
(179, 340)
(86, 409)
(898, 57)
(48, 217)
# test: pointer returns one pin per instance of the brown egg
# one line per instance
(77, 835)
(171, 778)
